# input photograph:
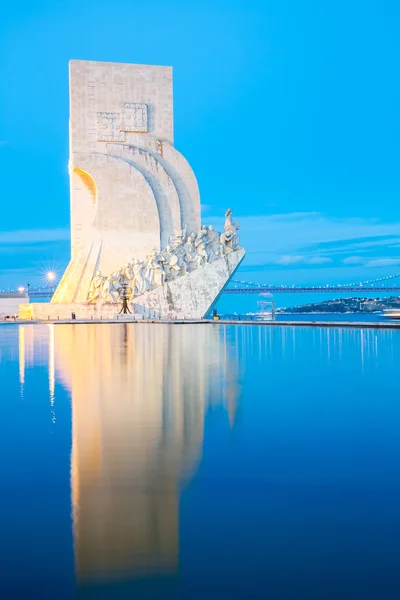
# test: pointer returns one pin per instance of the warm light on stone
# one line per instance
(133, 195)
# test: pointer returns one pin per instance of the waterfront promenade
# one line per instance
(327, 324)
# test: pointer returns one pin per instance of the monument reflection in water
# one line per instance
(139, 395)
(299, 500)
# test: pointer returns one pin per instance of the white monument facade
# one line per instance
(135, 204)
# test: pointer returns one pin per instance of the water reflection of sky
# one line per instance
(184, 461)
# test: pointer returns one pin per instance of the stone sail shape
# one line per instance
(192, 296)
(130, 188)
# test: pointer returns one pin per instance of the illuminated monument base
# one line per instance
(189, 297)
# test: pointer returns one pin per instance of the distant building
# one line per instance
(9, 303)
(369, 305)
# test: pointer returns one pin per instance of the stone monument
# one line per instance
(135, 204)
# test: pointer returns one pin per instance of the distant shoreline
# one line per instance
(318, 312)
(343, 306)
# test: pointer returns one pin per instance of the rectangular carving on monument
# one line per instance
(108, 129)
(133, 117)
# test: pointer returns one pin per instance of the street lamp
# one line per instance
(50, 276)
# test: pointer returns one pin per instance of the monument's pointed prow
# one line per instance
(192, 296)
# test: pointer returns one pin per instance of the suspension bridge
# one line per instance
(389, 285)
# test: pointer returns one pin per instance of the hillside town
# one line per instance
(346, 305)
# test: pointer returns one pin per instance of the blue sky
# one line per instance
(288, 111)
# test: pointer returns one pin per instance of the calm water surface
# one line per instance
(209, 461)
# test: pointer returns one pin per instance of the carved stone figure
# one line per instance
(179, 238)
(190, 253)
(230, 238)
(200, 245)
(213, 247)
(153, 270)
(169, 261)
(111, 287)
(95, 291)
(139, 282)
(184, 253)
(128, 272)
(180, 254)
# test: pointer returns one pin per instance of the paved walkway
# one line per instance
(342, 324)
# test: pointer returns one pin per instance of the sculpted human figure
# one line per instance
(213, 246)
(190, 253)
(95, 290)
(180, 254)
(116, 282)
(164, 257)
(230, 238)
(179, 238)
(105, 295)
(169, 261)
(128, 272)
(200, 245)
(110, 292)
(153, 270)
(184, 253)
(139, 281)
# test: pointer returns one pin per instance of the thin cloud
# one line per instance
(270, 239)
(389, 241)
(290, 260)
(319, 260)
(353, 260)
(37, 236)
(383, 262)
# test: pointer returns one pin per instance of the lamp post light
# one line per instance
(50, 276)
